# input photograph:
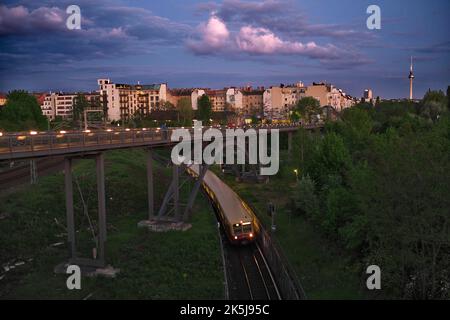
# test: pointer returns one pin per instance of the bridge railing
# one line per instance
(27, 144)
(11, 144)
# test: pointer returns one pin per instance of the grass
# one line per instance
(325, 271)
(172, 265)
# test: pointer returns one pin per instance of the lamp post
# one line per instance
(271, 212)
(296, 174)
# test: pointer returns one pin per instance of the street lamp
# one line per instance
(271, 212)
(296, 174)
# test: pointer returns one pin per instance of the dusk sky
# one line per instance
(225, 43)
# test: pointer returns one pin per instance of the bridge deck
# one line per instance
(15, 146)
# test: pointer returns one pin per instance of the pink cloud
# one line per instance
(19, 20)
(215, 38)
(214, 35)
(263, 41)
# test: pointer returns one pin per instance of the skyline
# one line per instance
(227, 43)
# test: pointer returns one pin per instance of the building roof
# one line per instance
(216, 92)
(252, 92)
(181, 92)
(153, 87)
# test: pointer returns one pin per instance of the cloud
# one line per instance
(215, 38)
(32, 33)
(214, 35)
(282, 17)
(19, 20)
(263, 41)
(232, 8)
(442, 47)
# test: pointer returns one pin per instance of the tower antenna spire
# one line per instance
(411, 80)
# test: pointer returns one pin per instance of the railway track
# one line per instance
(21, 174)
(260, 282)
(249, 276)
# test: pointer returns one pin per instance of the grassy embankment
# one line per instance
(173, 265)
(323, 269)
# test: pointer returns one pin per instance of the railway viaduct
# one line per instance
(92, 144)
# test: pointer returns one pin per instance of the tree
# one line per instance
(80, 104)
(308, 107)
(184, 106)
(22, 112)
(166, 106)
(305, 199)
(356, 127)
(330, 157)
(204, 109)
(295, 116)
(448, 97)
(379, 187)
(377, 101)
(434, 104)
(405, 200)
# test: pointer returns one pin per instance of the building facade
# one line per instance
(196, 94)
(175, 95)
(60, 104)
(279, 101)
(218, 99)
(125, 101)
(252, 102)
(3, 99)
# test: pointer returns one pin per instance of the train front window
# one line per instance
(237, 229)
(247, 228)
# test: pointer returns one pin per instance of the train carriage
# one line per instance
(238, 220)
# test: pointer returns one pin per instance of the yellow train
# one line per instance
(238, 220)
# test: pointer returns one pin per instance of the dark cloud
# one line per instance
(280, 16)
(442, 47)
(39, 34)
(19, 20)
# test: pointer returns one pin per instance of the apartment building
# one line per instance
(175, 95)
(60, 104)
(321, 92)
(3, 99)
(125, 101)
(339, 100)
(368, 94)
(234, 99)
(218, 98)
(252, 101)
(279, 101)
(246, 101)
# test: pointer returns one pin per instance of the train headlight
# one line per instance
(251, 235)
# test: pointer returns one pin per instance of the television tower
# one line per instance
(411, 79)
